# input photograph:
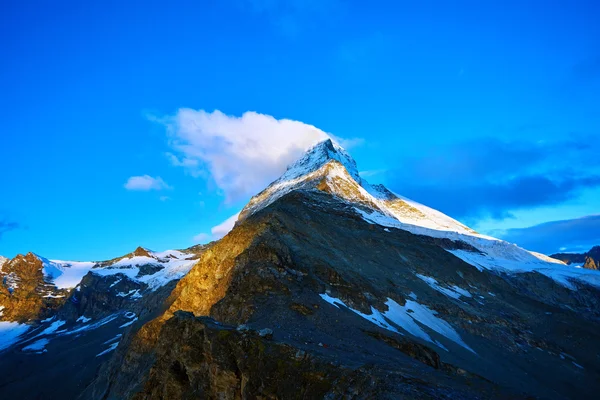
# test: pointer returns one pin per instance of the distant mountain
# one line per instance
(327, 287)
(588, 260)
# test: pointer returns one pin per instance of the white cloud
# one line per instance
(145, 183)
(202, 238)
(224, 227)
(217, 231)
(241, 154)
(371, 173)
(164, 198)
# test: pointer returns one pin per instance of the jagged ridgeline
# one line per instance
(327, 287)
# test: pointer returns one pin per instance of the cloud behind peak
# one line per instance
(242, 154)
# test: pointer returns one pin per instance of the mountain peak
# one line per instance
(317, 156)
(324, 159)
(140, 251)
(328, 167)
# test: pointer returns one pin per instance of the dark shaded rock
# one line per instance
(148, 269)
(200, 358)
(569, 258)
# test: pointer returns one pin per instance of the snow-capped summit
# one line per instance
(324, 159)
(318, 155)
(327, 167)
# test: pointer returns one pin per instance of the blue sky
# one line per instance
(488, 111)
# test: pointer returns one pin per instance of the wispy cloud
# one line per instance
(371, 173)
(292, 17)
(240, 154)
(576, 235)
(146, 183)
(202, 238)
(217, 231)
(7, 226)
(224, 227)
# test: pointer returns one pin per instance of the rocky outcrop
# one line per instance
(24, 293)
(590, 263)
(592, 258)
(588, 260)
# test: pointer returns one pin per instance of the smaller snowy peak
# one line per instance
(141, 251)
(143, 265)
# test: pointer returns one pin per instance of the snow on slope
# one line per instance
(10, 333)
(173, 264)
(328, 167)
(65, 274)
(409, 317)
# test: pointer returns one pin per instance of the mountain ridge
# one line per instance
(588, 260)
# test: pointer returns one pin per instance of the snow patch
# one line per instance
(37, 346)
(409, 317)
(110, 348)
(10, 333)
(126, 324)
(83, 319)
(95, 325)
(65, 274)
(51, 329)
(117, 337)
(516, 261)
(454, 291)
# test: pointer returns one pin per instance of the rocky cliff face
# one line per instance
(591, 263)
(24, 292)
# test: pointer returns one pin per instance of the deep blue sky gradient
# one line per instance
(489, 111)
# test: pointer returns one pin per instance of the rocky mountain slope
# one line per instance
(327, 287)
(588, 260)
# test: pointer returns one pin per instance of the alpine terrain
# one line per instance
(589, 260)
(327, 287)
